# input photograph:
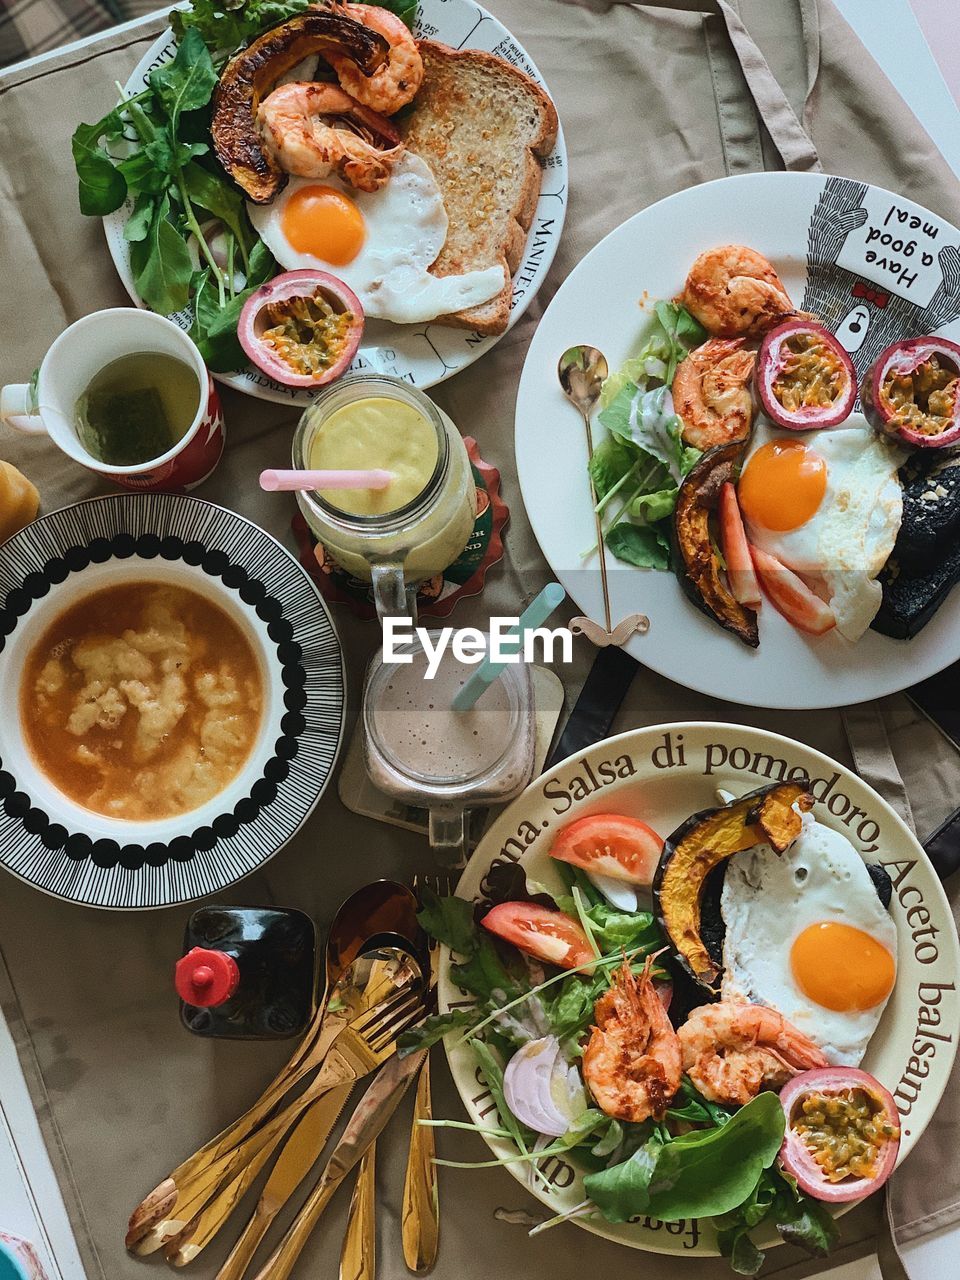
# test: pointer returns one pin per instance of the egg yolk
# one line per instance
(782, 485)
(840, 967)
(324, 223)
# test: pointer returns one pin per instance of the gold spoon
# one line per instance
(581, 371)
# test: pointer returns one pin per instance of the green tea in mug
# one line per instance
(137, 407)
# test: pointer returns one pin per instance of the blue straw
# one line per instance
(535, 615)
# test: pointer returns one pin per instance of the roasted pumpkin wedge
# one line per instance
(701, 843)
(695, 557)
(249, 75)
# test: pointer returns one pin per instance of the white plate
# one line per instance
(66, 850)
(781, 215)
(665, 773)
(421, 354)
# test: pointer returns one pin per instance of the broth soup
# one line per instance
(141, 701)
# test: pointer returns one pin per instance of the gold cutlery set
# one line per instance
(374, 989)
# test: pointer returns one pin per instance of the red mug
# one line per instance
(49, 404)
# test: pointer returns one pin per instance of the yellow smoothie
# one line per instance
(376, 432)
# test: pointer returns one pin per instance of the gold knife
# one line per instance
(358, 1256)
(298, 1154)
(420, 1219)
(366, 1124)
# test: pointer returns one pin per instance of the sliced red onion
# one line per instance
(618, 893)
(542, 1090)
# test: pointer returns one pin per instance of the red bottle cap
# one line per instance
(206, 978)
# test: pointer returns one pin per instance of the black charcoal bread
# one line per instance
(925, 562)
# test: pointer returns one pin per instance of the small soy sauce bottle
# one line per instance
(247, 973)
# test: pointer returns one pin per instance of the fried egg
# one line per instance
(827, 504)
(807, 935)
(379, 243)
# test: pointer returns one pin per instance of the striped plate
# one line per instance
(75, 854)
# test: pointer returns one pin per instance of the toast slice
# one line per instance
(483, 127)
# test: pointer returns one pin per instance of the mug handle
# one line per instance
(391, 594)
(18, 407)
(448, 837)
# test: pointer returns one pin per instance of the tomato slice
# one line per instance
(842, 1134)
(610, 844)
(549, 935)
(736, 549)
(791, 596)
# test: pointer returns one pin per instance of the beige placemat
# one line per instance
(652, 101)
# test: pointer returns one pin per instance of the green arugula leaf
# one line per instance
(161, 264)
(187, 81)
(623, 1191)
(637, 544)
(224, 25)
(102, 188)
(433, 1029)
(168, 157)
(138, 225)
(219, 199)
(712, 1171)
(141, 174)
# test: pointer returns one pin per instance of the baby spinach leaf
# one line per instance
(187, 81)
(637, 544)
(623, 1191)
(712, 1171)
(700, 1110)
(102, 188)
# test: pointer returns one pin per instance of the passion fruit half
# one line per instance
(803, 377)
(912, 392)
(302, 328)
(842, 1133)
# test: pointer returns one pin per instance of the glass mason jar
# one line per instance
(396, 549)
(422, 752)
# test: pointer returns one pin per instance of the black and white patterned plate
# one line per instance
(75, 854)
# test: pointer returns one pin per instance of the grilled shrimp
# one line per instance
(734, 291)
(731, 1051)
(393, 84)
(632, 1060)
(317, 129)
(711, 393)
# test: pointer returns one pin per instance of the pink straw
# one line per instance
(286, 481)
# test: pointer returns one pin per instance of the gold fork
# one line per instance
(420, 1215)
(172, 1207)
